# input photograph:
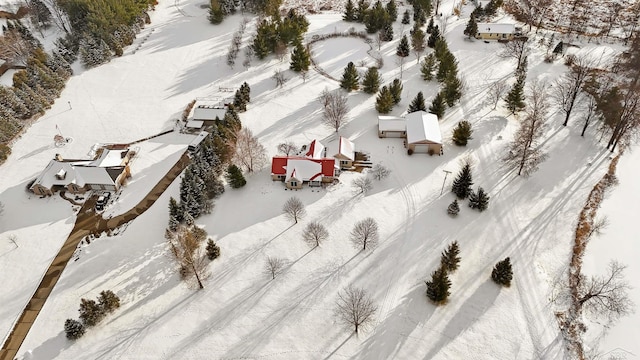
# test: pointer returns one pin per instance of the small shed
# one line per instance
(391, 126)
(423, 133)
(496, 31)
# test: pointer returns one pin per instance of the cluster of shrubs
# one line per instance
(376, 18)
(462, 188)
(274, 35)
(91, 313)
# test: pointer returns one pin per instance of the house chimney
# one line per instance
(58, 157)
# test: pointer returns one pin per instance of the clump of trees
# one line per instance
(275, 34)
(91, 313)
(219, 9)
(439, 286)
(375, 18)
(335, 108)
(242, 97)
(389, 96)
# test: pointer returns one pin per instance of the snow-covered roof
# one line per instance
(391, 123)
(209, 112)
(93, 175)
(316, 150)
(195, 124)
(198, 139)
(423, 127)
(303, 169)
(346, 148)
(48, 178)
(496, 28)
(110, 158)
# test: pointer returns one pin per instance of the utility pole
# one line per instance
(446, 173)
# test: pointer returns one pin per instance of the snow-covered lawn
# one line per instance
(241, 313)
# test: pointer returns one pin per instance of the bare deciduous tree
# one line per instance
(288, 148)
(355, 308)
(606, 296)
(516, 49)
(361, 185)
(188, 254)
(335, 109)
(58, 16)
(590, 112)
(14, 48)
(1, 208)
(293, 208)
(497, 91)
(365, 233)
(380, 172)
(279, 78)
(314, 234)
(249, 152)
(274, 266)
(567, 89)
(524, 152)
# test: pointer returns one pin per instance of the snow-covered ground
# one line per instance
(241, 313)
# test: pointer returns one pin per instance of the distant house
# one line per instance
(296, 170)
(496, 31)
(194, 146)
(346, 153)
(391, 126)
(107, 172)
(423, 133)
(206, 115)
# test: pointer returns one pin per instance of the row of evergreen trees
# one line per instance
(219, 9)
(277, 33)
(91, 313)
(376, 18)
(445, 66)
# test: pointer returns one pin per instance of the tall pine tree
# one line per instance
(371, 81)
(396, 90)
(384, 101)
(438, 105)
(428, 66)
(479, 200)
(450, 259)
(300, 59)
(350, 78)
(452, 90)
(472, 27)
(502, 272)
(462, 183)
(403, 47)
(438, 287)
(349, 12)
(417, 104)
(515, 98)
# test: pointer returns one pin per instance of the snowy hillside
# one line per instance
(242, 313)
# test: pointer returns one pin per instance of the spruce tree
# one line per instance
(453, 208)
(479, 200)
(417, 40)
(238, 102)
(73, 329)
(450, 259)
(300, 59)
(433, 38)
(428, 66)
(448, 66)
(392, 10)
(213, 250)
(386, 34)
(396, 90)
(515, 98)
(462, 133)
(452, 90)
(430, 26)
(361, 10)
(90, 312)
(234, 177)
(403, 47)
(417, 104)
(438, 105)
(438, 287)
(502, 272)
(384, 101)
(472, 27)
(406, 18)
(419, 15)
(376, 18)
(462, 183)
(350, 78)
(245, 90)
(371, 81)
(108, 301)
(349, 12)
(216, 15)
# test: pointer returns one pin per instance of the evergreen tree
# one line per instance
(384, 101)
(450, 259)
(462, 133)
(90, 312)
(452, 90)
(396, 90)
(108, 301)
(234, 177)
(376, 18)
(438, 287)
(349, 12)
(479, 200)
(428, 66)
(213, 250)
(216, 14)
(392, 10)
(438, 105)
(430, 26)
(453, 208)
(386, 34)
(472, 27)
(448, 66)
(361, 10)
(417, 104)
(417, 40)
(403, 47)
(502, 272)
(300, 59)
(419, 15)
(238, 102)
(371, 81)
(73, 329)
(515, 97)
(245, 90)
(350, 78)
(406, 18)
(462, 183)
(433, 38)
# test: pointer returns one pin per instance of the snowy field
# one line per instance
(241, 313)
